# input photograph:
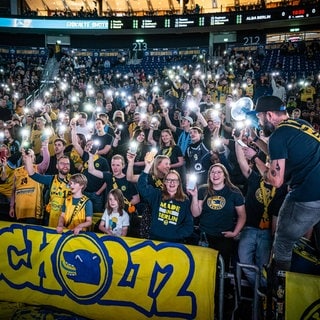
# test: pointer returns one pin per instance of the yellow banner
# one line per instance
(99, 276)
(302, 298)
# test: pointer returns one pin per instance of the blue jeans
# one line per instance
(295, 219)
(254, 248)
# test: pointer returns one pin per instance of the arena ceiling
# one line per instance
(134, 7)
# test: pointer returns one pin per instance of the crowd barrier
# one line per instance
(105, 277)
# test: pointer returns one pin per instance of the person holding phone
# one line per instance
(171, 218)
(159, 169)
(221, 211)
(138, 146)
(263, 202)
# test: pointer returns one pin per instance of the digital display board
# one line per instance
(121, 23)
(116, 24)
(150, 23)
(185, 22)
(255, 17)
(160, 22)
(298, 14)
(220, 20)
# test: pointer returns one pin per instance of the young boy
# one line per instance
(77, 210)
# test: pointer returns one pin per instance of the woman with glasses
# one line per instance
(221, 211)
(171, 216)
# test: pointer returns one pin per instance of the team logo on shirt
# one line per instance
(216, 202)
(169, 213)
(258, 194)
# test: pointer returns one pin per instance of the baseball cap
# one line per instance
(269, 103)
(189, 119)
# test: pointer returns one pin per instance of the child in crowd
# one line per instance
(77, 210)
(115, 220)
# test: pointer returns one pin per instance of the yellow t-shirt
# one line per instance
(72, 220)
(28, 195)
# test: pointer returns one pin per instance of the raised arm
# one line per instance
(196, 204)
(92, 169)
(200, 118)
(129, 174)
(262, 145)
(28, 163)
(169, 124)
(3, 166)
(145, 189)
(150, 137)
(242, 160)
(43, 166)
(74, 138)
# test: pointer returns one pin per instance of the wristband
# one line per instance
(255, 139)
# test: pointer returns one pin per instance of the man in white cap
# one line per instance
(182, 133)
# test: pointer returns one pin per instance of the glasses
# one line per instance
(217, 172)
(64, 164)
(172, 180)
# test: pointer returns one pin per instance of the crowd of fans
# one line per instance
(20, 75)
(141, 133)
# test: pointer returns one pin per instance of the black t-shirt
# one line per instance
(219, 211)
(302, 168)
(128, 188)
(104, 140)
(5, 114)
(254, 200)
(173, 153)
(100, 163)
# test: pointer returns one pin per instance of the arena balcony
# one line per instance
(119, 8)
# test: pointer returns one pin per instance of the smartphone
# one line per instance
(94, 147)
(242, 144)
(26, 146)
(133, 147)
(191, 181)
(237, 133)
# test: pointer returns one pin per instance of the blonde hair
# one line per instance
(118, 114)
(157, 160)
(172, 142)
(81, 179)
(119, 157)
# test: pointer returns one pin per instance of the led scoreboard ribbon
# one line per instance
(162, 22)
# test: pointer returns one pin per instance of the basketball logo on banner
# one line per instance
(85, 274)
(96, 274)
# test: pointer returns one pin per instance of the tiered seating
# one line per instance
(298, 64)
